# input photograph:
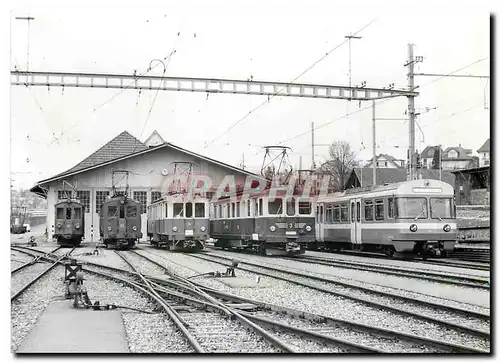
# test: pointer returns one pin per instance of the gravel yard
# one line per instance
(469, 296)
(293, 296)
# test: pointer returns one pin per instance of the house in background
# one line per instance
(386, 161)
(456, 158)
(363, 177)
(484, 154)
(472, 186)
(427, 156)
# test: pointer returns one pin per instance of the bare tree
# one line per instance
(339, 167)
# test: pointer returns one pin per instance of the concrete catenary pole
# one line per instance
(411, 114)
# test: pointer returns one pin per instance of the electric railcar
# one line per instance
(281, 225)
(409, 218)
(179, 222)
(69, 227)
(120, 222)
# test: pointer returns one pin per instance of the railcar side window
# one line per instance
(275, 206)
(358, 211)
(238, 209)
(189, 210)
(290, 207)
(304, 207)
(233, 210)
(336, 214)
(261, 211)
(131, 211)
(256, 207)
(178, 210)
(353, 213)
(344, 213)
(329, 213)
(78, 213)
(60, 213)
(411, 207)
(220, 211)
(249, 205)
(112, 211)
(379, 209)
(441, 208)
(166, 210)
(368, 210)
(390, 208)
(199, 210)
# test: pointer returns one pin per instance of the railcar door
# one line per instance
(320, 223)
(189, 220)
(355, 206)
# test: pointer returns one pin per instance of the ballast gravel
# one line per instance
(26, 310)
(287, 294)
(20, 279)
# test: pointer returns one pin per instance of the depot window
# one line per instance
(275, 206)
(199, 210)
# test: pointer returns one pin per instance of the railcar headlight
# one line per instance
(59, 225)
(134, 228)
(174, 228)
(77, 225)
(413, 228)
(202, 228)
(122, 202)
(109, 228)
(447, 228)
(308, 228)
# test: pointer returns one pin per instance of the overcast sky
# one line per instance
(54, 129)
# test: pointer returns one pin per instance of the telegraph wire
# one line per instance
(284, 87)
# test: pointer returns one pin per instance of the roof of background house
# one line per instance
(485, 147)
(462, 153)
(428, 152)
(122, 145)
(386, 175)
(387, 157)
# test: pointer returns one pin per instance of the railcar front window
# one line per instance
(305, 207)
(78, 213)
(199, 210)
(68, 213)
(131, 211)
(112, 212)
(122, 211)
(60, 213)
(441, 208)
(261, 210)
(275, 206)
(290, 207)
(178, 210)
(411, 207)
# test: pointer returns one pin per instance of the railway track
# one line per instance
(289, 327)
(431, 261)
(472, 322)
(428, 275)
(39, 271)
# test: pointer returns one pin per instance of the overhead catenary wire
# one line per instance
(284, 87)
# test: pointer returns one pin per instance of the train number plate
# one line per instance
(189, 232)
(291, 233)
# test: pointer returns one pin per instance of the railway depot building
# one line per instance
(149, 163)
